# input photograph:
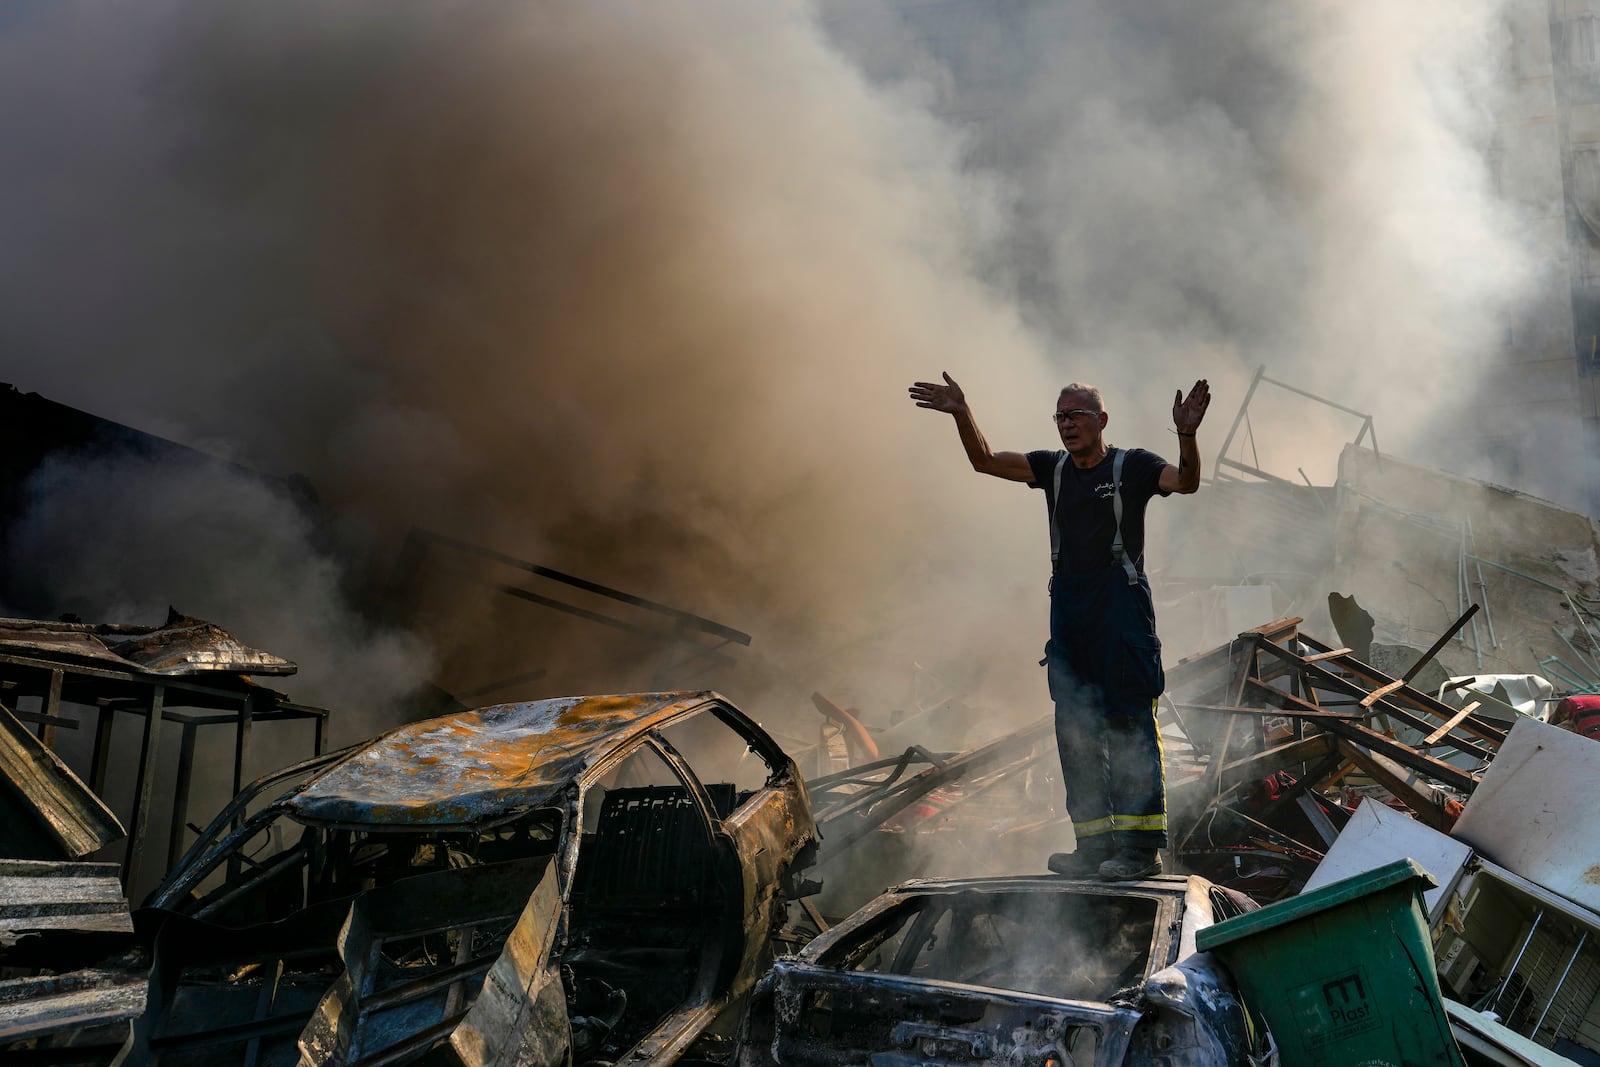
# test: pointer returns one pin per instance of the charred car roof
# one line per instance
(469, 767)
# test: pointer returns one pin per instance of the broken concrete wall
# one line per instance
(1416, 545)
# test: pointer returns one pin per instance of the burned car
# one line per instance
(570, 880)
(1017, 971)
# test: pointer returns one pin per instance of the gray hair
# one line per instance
(1087, 390)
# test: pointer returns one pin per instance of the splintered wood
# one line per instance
(1273, 738)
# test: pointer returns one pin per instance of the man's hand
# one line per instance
(947, 397)
(1186, 413)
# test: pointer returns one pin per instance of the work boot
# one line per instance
(1084, 863)
(1131, 863)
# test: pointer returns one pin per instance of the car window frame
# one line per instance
(756, 741)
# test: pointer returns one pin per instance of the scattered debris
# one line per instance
(1515, 929)
(48, 812)
(1276, 734)
(72, 976)
(594, 880)
(851, 804)
(185, 671)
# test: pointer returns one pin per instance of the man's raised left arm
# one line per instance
(1187, 414)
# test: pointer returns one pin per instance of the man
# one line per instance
(1103, 662)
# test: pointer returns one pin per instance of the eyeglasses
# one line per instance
(1075, 413)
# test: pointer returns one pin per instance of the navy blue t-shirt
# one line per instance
(1086, 517)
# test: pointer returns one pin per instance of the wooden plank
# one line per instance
(1310, 712)
(76, 819)
(1429, 805)
(1412, 698)
(1437, 769)
(1259, 764)
(62, 868)
(52, 1004)
(1455, 720)
(1332, 653)
(1380, 692)
(1444, 639)
(18, 894)
(144, 790)
(1479, 726)
(1184, 671)
(52, 711)
(1423, 726)
(1284, 755)
(47, 895)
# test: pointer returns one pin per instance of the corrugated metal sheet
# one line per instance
(180, 646)
(33, 1007)
(38, 895)
(40, 789)
(41, 900)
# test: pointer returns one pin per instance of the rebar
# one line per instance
(1582, 659)
(1483, 588)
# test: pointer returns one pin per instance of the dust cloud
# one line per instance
(1201, 190)
(631, 292)
(635, 291)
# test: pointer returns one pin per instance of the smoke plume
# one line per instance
(635, 290)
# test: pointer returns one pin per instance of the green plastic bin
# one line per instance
(1344, 976)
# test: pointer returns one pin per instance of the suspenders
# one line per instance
(1117, 552)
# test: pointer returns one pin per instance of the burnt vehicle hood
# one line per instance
(462, 769)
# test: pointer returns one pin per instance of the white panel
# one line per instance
(1377, 834)
(1534, 811)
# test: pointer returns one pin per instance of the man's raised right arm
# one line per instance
(948, 397)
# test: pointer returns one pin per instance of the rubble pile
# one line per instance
(653, 878)
(73, 970)
(1277, 734)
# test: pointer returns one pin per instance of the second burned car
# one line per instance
(1012, 972)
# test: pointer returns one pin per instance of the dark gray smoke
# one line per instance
(631, 292)
(634, 291)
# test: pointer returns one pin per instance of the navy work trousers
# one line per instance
(1103, 664)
